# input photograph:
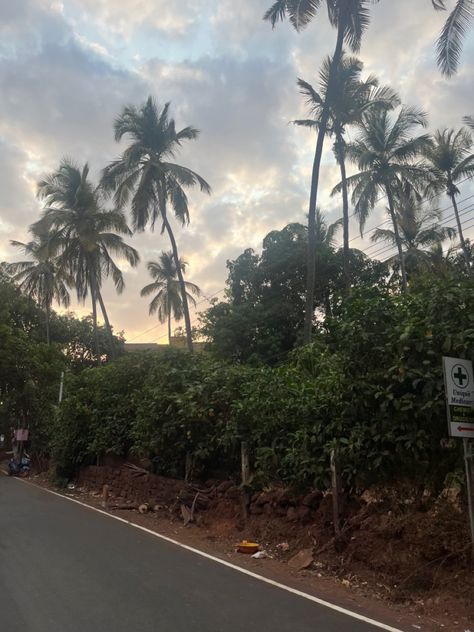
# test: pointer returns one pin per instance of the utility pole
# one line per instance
(468, 459)
(61, 388)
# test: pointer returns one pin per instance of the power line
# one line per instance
(448, 219)
(430, 199)
(395, 250)
(444, 221)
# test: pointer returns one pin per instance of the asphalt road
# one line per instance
(64, 568)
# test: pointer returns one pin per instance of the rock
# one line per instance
(303, 559)
(255, 510)
(233, 492)
(292, 514)
(223, 487)
(304, 513)
(313, 500)
(267, 497)
(369, 497)
(284, 498)
(283, 546)
(268, 509)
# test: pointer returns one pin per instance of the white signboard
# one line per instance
(459, 384)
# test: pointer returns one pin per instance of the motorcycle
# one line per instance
(21, 469)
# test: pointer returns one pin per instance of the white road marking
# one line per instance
(266, 580)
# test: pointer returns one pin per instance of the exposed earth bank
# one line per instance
(401, 544)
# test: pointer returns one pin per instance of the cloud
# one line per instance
(67, 69)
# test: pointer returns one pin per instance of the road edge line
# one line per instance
(262, 578)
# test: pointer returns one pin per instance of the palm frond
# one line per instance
(450, 43)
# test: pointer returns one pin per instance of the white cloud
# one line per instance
(67, 68)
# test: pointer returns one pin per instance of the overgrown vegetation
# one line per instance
(371, 384)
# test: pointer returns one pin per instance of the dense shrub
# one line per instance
(371, 386)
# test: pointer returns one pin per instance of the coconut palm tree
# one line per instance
(352, 98)
(145, 176)
(167, 300)
(86, 236)
(469, 121)
(419, 230)
(388, 156)
(351, 19)
(451, 39)
(40, 277)
(451, 159)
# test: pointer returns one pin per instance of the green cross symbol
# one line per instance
(460, 376)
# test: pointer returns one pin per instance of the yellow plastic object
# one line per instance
(248, 547)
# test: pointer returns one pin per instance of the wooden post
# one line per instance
(468, 459)
(335, 494)
(245, 463)
(105, 496)
(188, 468)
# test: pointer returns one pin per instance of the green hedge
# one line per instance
(371, 385)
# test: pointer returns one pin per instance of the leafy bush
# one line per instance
(371, 386)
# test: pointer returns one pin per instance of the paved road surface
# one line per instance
(64, 568)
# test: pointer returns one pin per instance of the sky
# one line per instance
(67, 68)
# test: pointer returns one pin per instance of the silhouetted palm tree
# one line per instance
(145, 176)
(351, 19)
(388, 156)
(40, 276)
(419, 229)
(451, 159)
(167, 300)
(85, 235)
(352, 98)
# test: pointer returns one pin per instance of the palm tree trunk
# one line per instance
(401, 256)
(341, 158)
(452, 195)
(169, 327)
(94, 317)
(182, 286)
(313, 200)
(47, 314)
(107, 324)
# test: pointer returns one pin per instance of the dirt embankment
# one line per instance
(407, 548)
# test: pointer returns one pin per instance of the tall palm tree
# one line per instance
(351, 18)
(145, 176)
(387, 154)
(352, 98)
(167, 300)
(451, 39)
(40, 276)
(86, 236)
(419, 229)
(451, 159)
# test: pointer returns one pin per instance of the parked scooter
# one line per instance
(19, 469)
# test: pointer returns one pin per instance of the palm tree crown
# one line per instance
(451, 159)
(86, 236)
(167, 299)
(352, 15)
(40, 276)
(387, 154)
(144, 174)
(419, 229)
(451, 39)
(146, 177)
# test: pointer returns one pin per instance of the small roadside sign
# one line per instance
(459, 384)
